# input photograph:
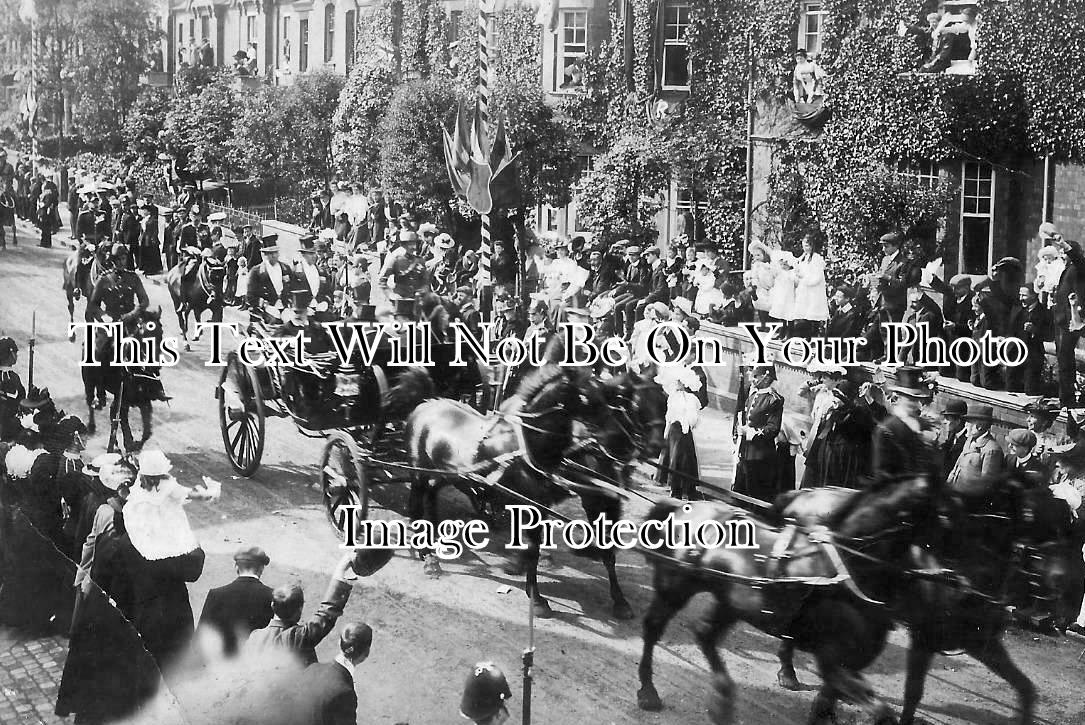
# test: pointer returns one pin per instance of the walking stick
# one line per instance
(528, 658)
(30, 344)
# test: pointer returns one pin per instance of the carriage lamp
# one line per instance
(346, 383)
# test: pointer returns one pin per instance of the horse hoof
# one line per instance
(432, 568)
(542, 609)
(648, 699)
(188, 348)
(788, 681)
(92, 429)
(623, 611)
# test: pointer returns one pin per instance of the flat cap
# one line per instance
(252, 554)
(1021, 437)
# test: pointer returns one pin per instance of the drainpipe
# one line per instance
(748, 212)
(1047, 188)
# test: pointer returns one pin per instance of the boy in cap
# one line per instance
(243, 605)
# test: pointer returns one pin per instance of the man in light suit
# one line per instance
(269, 282)
(243, 605)
(982, 456)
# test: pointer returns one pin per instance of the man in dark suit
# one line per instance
(955, 435)
(892, 279)
(287, 632)
(900, 446)
(241, 606)
(269, 281)
(846, 321)
(756, 432)
(309, 276)
(1030, 322)
(658, 289)
(631, 288)
(922, 310)
(1068, 318)
(324, 694)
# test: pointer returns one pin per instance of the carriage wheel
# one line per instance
(241, 415)
(345, 479)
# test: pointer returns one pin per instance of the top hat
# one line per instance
(269, 243)
(982, 413)
(8, 351)
(253, 555)
(894, 238)
(404, 307)
(955, 407)
(910, 382)
(365, 313)
(307, 243)
(300, 299)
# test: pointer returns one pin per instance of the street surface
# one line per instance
(429, 632)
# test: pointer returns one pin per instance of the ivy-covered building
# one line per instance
(968, 159)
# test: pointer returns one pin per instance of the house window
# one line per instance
(349, 39)
(286, 42)
(977, 217)
(192, 30)
(572, 46)
(455, 20)
(811, 24)
(676, 66)
(303, 45)
(329, 32)
(923, 173)
(205, 28)
(585, 163)
(686, 210)
(250, 29)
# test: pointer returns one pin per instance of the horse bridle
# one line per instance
(632, 428)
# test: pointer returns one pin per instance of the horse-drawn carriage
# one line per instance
(357, 408)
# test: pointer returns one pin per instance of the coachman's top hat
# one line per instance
(301, 299)
(269, 243)
(307, 243)
(405, 308)
(912, 383)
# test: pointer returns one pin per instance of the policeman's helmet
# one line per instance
(485, 692)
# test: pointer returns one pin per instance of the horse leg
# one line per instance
(708, 631)
(182, 322)
(531, 560)
(841, 682)
(671, 594)
(145, 412)
(126, 427)
(421, 508)
(993, 654)
(919, 662)
(593, 508)
(71, 315)
(113, 413)
(786, 676)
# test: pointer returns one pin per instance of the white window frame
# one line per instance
(678, 42)
(562, 50)
(811, 9)
(989, 215)
(677, 206)
(587, 165)
(923, 173)
(329, 23)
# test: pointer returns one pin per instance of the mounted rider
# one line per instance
(119, 293)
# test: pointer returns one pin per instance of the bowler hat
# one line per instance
(240, 55)
(252, 554)
(955, 407)
(982, 413)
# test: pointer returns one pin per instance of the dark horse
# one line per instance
(130, 386)
(624, 416)
(196, 290)
(82, 268)
(791, 583)
(967, 612)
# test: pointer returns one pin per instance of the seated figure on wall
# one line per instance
(808, 78)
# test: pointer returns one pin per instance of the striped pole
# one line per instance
(485, 10)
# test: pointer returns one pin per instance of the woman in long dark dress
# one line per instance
(687, 394)
(108, 673)
(847, 450)
(148, 240)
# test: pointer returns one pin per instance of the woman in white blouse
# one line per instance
(811, 298)
(764, 276)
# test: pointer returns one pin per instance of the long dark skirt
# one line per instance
(679, 455)
(814, 470)
(758, 479)
(37, 593)
(842, 462)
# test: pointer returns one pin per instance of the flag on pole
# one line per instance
(481, 171)
(30, 107)
(505, 182)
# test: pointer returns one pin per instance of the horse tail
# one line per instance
(413, 387)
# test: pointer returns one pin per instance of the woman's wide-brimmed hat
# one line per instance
(8, 351)
(154, 463)
(1045, 407)
(1072, 454)
(35, 398)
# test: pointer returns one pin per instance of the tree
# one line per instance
(144, 123)
(356, 124)
(412, 162)
(310, 108)
(199, 127)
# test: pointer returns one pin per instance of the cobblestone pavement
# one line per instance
(30, 671)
